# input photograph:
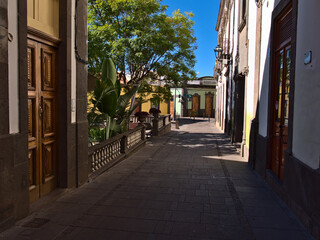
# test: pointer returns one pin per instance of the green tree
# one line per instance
(144, 42)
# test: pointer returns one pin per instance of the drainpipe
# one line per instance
(174, 103)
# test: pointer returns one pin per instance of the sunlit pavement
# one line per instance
(189, 184)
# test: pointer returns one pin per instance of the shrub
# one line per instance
(141, 114)
(154, 110)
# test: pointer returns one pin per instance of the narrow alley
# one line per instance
(189, 184)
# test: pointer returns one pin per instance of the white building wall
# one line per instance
(224, 99)
(231, 30)
(265, 66)
(235, 35)
(306, 128)
(13, 67)
(221, 101)
(252, 14)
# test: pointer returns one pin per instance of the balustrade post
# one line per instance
(143, 132)
(124, 144)
(155, 127)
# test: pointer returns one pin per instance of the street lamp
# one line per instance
(217, 51)
(259, 3)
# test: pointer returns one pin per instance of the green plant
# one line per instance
(109, 110)
(104, 99)
(96, 134)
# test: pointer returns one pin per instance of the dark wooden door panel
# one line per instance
(48, 116)
(31, 67)
(32, 125)
(48, 69)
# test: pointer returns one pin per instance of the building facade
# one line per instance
(276, 55)
(232, 69)
(199, 97)
(43, 124)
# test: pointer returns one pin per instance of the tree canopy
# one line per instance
(144, 42)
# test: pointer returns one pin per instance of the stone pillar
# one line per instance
(143, 132)
(155, 127)
(124, 144)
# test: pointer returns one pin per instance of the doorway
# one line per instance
(281, 90)
(42, 119)
(195, 104)
(209, 105)
(238, 108)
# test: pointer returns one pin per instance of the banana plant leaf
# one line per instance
(108, 102)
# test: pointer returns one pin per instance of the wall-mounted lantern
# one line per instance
(259, 3)
(218, 51)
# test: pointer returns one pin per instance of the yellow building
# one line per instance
(145, 107)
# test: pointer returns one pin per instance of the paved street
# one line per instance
(189, 184)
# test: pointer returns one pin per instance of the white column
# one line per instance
(13, 66)
(73, 67)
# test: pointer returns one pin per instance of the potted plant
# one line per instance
(141, 116)
(155, 112)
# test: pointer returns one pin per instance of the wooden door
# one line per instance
(281, 91)
(171, 108)
(195, 104)
(238, 108)
(42, 122)
(209, 105)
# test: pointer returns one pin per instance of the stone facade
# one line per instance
(72, 153)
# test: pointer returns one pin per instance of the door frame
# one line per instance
(40, 38)
(282, 6)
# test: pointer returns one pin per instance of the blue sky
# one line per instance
(205, 17)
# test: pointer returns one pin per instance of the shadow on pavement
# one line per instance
(192, 120)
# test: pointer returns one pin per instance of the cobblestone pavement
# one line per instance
(189, 184)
